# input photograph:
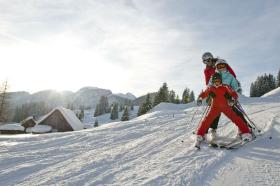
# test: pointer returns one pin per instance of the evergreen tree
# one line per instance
(146, 106)
(115, 111)
(132, 106)
(97, 111)
(162, 95)
(192, 97)
(172, 96)
(4, 102)
(186, 96)
(103, 104)
(96, 123)
(177, 100)
(262, 85)
(125, 116)
(82, 114)
(278, 79)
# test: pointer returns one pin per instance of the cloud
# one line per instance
(144, 43)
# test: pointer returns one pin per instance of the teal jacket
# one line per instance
(228, 79)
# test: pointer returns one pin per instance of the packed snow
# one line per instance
(147, 150)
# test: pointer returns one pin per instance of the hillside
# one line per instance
(147, 151)
(86, 96)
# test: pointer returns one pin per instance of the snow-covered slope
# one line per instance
(147, 150)
(273, 93)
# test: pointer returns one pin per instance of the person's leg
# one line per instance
(243, 127)
(240, 114)
(206, 122)
(214, 124)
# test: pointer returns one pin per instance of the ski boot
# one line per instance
(213, 135)
(246, 137)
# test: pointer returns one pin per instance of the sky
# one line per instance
(134, 45)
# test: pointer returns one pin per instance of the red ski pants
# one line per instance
(214, 112)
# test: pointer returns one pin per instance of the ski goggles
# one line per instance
(206, 61)
(217, 81)
(221, 65)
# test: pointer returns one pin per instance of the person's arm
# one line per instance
(231, 71)
(234, 83)
(205, 93)
(206, 75)
(232, 93)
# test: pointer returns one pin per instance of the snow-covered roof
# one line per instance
(69, 116)
(12, 126)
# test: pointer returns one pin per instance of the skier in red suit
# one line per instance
(220, 104)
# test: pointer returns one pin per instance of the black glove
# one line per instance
(199, 102)
(231, 102)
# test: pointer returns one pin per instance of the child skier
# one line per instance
(220, 104)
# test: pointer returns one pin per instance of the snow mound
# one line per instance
(171, 106)
(41, 129)
(273, 93)
(12, 126)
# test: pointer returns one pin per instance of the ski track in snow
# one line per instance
(144, 151)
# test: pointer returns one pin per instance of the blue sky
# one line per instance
(134, 45)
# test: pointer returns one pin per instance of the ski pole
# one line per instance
(194, 114)
(240, 108)
(206, 110)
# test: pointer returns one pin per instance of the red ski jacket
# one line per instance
(209, 71)
(219, 95)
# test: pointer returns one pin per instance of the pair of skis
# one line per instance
(234, 144)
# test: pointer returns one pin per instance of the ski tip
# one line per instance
(197, 147)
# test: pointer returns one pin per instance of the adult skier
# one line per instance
(210, 69)
(220, 104)
(210, 62)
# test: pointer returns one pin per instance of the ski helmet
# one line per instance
(216, 76)
(206, 57)
(221, 63)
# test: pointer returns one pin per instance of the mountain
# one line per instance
(148, 150)
(140, 100)
(126, 96)
(86, 96)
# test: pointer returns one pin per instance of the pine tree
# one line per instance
(4, 102)
(103, 104)
(192, 97)
(177, 100)
(186, 96)
(81, 114)
(278, 79)
(96, 123)
(115, 111)
(172, 96)
(146, 106)
(162, 95)
(262, 85)
(97, 111)
(125, 116)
